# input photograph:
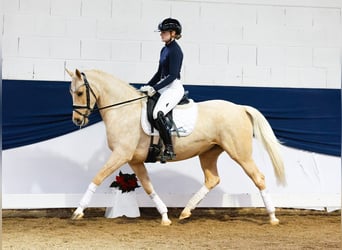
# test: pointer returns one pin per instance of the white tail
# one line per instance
(264, 133)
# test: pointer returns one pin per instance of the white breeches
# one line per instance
(169, 97)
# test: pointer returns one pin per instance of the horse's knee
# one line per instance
(212, 182)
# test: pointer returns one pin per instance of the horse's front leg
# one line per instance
(141, 172)
(114, 162)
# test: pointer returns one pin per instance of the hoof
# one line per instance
(274, 222)
(166, 222)
(185, 214)
(77, 216)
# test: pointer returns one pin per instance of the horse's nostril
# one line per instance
(77, 121)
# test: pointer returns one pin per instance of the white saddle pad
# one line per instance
(184, 117)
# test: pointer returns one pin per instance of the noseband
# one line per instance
(90, 109)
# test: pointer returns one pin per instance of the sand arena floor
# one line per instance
(206, 229)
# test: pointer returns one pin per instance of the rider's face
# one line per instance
(166, 36)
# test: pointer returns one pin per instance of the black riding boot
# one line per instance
(165, 134)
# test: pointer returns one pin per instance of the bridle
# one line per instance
(89, 91)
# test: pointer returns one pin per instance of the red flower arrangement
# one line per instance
(125, 182)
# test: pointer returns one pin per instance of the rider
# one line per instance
(166, 80)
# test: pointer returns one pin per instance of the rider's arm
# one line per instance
(155, 78)
(175, 63)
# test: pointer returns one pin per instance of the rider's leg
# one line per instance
(169, 98)
(165, 134)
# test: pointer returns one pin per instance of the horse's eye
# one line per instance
(80, 93)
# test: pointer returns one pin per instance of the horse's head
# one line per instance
(83, 97)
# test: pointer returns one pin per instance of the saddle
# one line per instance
(155, 149)
(151, 103)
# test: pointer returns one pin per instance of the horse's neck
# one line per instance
(110, 89)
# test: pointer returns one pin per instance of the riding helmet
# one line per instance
(169, 24)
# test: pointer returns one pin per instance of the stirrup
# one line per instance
(167, 157)
(168, 154)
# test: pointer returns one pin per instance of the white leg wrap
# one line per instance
(267, 201)
(79, 210)
(193, 202)
(161, 207)
(165, 217)
(88, 195)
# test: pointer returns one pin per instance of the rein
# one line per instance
(120, 103)
(90, 90)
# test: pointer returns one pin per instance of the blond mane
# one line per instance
(106, 77)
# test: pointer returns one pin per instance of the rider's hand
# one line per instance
(143, 88)
(148, 89)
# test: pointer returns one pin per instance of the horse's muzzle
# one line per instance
(80, 121)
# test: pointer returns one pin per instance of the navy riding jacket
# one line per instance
(170, 63)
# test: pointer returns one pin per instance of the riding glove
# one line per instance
(148, 89)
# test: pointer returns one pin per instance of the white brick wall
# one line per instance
(326, 57)
(18, 25)
(256, 75)
(42, 69)
(34, 7)
(186, 11)
(242, 55)
(126, 51)
(50, 26)
(96, 8)
(213, 54)
(299, 56)
(237, 42)
(271, 56)
(298, 17)
(35, 47)
(270, 16)
(18, 68)
(95, 49)
(150, 51)
(129, 9)
(81, 27)
(65, 48)
(10, 46)
(67, 8)
(10, 6)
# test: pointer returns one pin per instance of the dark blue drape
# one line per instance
(34, 111)
(308, 119)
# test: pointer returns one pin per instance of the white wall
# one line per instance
(246, 43)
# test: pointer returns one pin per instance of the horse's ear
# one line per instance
(78, 74)
(71, 74)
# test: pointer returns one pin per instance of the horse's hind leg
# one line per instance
(208, 161)
(259, 180)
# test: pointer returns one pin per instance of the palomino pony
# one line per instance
(221, 126)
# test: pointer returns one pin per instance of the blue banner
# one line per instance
(308, 119)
